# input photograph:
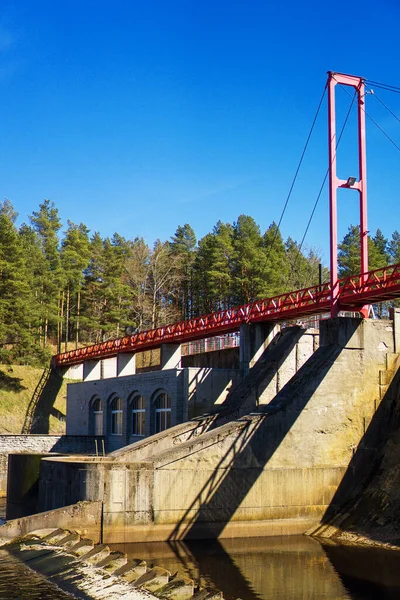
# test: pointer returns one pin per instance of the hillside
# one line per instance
(17, 385)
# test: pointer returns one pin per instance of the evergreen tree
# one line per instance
(46, 224)
(205, 294)
(277, 265)
(394, 248)
(182, 247)
(378, 255)
(349, 253)
(248, 261)
(16, 335)
(137, 268)
(74, 254)
(220, 271)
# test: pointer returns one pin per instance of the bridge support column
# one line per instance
(254, 338)
(110, 367)
(171, 355)
(126, 364)
(91, 370)
(395, 315)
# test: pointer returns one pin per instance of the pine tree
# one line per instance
(349, 253)
(46, 224)
(249, 261)
(16, 334)
(394, 248)
(74, 254)
(137, 272)
(182, 247)
(277, 265)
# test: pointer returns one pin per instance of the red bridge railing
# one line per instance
(354, 292)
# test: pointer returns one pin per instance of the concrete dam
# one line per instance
(279, 455)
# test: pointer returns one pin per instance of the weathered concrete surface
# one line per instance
(84, 517)
(287, 352)
(40, 444)
(276, 470)
(369, 512)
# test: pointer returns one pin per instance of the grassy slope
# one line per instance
(17, 384)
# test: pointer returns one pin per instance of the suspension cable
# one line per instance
(383, 86)
(375, 123)
(383, 104)
(277, 231)
(322, 186)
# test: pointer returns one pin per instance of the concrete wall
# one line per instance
(267, 473)
(217, 359)
(84, 517)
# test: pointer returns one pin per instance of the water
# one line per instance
(281, 568)
(18, 582)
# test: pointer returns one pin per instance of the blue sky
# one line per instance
(137, 117)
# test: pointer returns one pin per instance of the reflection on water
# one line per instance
(18, 582)
(281, 568)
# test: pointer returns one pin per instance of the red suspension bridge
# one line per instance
(352, 293)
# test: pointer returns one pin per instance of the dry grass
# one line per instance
(17, 385)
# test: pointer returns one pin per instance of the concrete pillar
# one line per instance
(72, 372)
(126, 364)
(395, 315)
(110, 367)
(91, 370)
(254, 338)
(170, 356)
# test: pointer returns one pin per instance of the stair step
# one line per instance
(96, 554)
(132, 570)
(69, 540)
(55, 536)
(114, 561)
(208, 594)
(82, 547)
(153, 579)
(178, 588)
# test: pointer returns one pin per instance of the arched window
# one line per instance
(116, 416)
(138, 415)
(97, 416)
(162, 403)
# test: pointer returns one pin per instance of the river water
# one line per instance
(280, 568)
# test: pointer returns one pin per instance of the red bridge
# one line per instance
(353, 294)
(350, 294)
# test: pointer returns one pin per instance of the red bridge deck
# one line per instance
(354, 292)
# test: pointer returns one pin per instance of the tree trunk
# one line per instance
(78, 313)
(67, 309)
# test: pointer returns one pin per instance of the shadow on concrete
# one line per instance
(261, 434)
(244, 397)
(41, 406)
(10, 384)
(367, 502)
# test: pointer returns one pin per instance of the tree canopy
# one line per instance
(66, 288)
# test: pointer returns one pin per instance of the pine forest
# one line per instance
(62, 287)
